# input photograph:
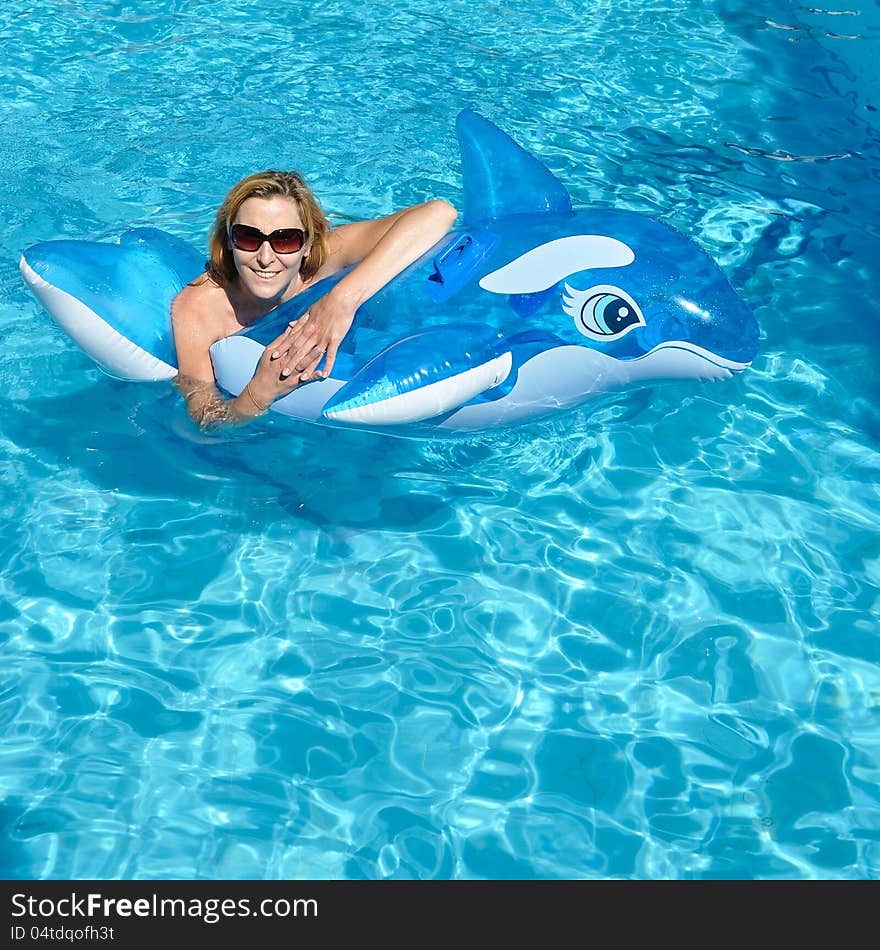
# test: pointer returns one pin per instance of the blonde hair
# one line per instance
(220, 267)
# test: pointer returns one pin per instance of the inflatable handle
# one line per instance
(457, 262)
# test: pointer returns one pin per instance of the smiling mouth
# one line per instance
(265, 274)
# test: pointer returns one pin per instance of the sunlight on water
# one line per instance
(637, 641)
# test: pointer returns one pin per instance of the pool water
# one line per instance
(639, 641)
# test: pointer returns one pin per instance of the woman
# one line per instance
(270, 242)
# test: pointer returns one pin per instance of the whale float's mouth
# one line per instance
(681, 353)
(563, 377)
(567, 374)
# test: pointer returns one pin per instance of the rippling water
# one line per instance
(639, 641)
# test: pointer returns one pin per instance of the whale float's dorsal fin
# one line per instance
(500, 177)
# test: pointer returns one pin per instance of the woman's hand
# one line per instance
(318, 333)
(281, 367)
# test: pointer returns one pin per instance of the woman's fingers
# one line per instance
(277, 346)
(315, 357)
(311, 363)
(301, 348)
(294, 333)
(331, 359)
(301, 330)
(303, 366)
(301, 351)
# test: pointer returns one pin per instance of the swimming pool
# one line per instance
(641, 641)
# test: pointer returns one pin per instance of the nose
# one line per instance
(265, 254)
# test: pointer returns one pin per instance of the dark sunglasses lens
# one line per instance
(246, 238)
(287, 240)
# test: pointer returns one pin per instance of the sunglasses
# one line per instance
(282, 241)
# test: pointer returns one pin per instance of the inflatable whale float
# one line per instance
(531, 308)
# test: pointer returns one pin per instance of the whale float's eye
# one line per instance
(603, 312)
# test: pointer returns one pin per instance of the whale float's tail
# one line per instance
(114, 300)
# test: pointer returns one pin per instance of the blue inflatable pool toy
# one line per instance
(531, 308)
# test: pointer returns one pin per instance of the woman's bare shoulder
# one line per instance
(200, 299)
(203, 307)
(201, 314)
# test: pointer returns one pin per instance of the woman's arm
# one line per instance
(384, 248)
(195, 329)
(207, 407)
(196, 325)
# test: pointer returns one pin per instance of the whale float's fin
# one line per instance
(500, 177)
(423, 376)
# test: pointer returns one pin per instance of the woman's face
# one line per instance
(264, 273)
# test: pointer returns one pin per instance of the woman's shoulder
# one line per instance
(202, 313)
(199, 300)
